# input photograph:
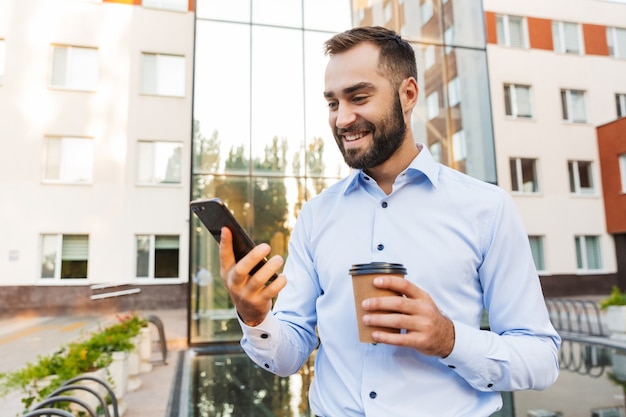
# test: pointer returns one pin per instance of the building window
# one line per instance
(567, 38)
(64, 256)
(536, 247)
(432, 105)
(427, 11)
(622, 171)
(620, 101)
(517, 102)
(588, 255)
(580, 177)
(74, 68)
(573, 104)
(2, 53)
(163, 75)
(68, 160)
(459, 146)
(159, 162)
(429, 57)
(158, 256)
(524, 175)
(177, 5)
(511, 31)
(454, 92)
(616, 39)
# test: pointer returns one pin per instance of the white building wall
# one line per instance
(554, 212)
(112, 209)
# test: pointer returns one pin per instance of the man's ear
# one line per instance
(408, 94)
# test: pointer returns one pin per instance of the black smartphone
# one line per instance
(214, 214)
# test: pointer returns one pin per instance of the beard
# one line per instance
(387, 137)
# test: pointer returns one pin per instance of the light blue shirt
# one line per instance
(463, 242)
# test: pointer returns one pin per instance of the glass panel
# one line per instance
(620, 47)
(84, 69)
(166, 256)
(53, 159)
(159, 162)
(69, 160)
(578, 106)
(579, 252)
(500, 31)
(522, 98)
(148, 73)
(594, 257)
(178, 5)
(143, 256)
(277, 12)
(536, 247)
(516, 31)
(515, 185)
(466, 16)
(59, 66)
(529, 177)
(570, 38)
(473, 115)
(219, 91)
(329, 15)
(418, 20)
(584, 177)
(572, 177)
(318, 155)
(277, 98)
(622, 170)
(231, 10)
(49, 256)
(74, 256)
(170, 76)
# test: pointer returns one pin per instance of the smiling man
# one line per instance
(460, 239)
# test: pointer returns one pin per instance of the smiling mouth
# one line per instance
(354, 136)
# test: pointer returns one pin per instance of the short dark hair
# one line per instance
(397, 57)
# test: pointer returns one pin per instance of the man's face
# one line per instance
(365, 113)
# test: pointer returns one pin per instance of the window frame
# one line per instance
(144, 87)
(517, 187)
(567, 115)
(59, 258)
(620, 104)
(159, 5)
(71, 66)
(621, 159)
(573, 171)
(152, 258)
(512, 102)
(154, 162)
(65, 160)
(559, 42)
(538, 250)
(617, 50)
(506, 31)
(582, 254)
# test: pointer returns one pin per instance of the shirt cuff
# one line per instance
(471, 356)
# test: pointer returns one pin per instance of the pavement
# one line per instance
(23, 339)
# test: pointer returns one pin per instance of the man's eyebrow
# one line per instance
(353, 88)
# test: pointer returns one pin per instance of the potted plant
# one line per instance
(615, 307)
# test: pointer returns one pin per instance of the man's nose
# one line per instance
(345, 116)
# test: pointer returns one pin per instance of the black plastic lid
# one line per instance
(377, 268)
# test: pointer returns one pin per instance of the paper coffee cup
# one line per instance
(362, 282)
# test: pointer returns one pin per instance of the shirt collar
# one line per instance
(422, 164)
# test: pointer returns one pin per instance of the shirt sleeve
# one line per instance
(520, 351)
(286, 338)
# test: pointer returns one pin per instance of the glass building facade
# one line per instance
(262, 143)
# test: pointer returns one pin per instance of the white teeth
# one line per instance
(354, 137)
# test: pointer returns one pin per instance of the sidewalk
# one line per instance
(22, 339)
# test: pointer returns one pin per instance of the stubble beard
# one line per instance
(386, 139)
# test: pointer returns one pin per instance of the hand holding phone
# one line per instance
(214, 214)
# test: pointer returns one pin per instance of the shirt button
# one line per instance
(451, 366)
(380, 247)
(265, 336)
(267, 366)
(373, 395)
(384, 204)
(489, 385)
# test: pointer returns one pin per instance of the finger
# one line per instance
(251, 260)
(268, 271)
(227, 255)
(399, 285)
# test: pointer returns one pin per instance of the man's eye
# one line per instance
(332, 105)
(359, 99)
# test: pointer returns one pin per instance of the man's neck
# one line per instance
(386, 173)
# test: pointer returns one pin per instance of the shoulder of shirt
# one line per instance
(451, 177)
